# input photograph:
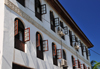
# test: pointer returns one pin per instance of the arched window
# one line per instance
(38, 9)
(70, 37)
(19, 37)
(73, 62)
(86, 52)
(64, 57)
(82, 48)
(62, 26)
(52, 21)
(84, 67)
(79, 64)
(39, 46)
(54, 54)
(22, 2)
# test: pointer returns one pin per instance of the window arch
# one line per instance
(73, 62)
(39, 46)
(79, 64)
(19, 35)
(38, 9)
(84, 67)
(22, 2)
(52, 21)
(64, 55)
(54, 54)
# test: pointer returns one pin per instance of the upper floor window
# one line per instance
(70, 37)
(52, 23)
(38, 9)
(86, 52)
(82, 48)
(73, 63)
(21, 35)
(22, 2)
(54, 54)
(62, 29)
(39, 46)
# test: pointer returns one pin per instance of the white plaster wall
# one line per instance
(1, 29)
(28, 58)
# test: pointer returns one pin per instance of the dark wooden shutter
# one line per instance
(59, 53)
(45, 45)
(54, 50)
(38, 40)
(43, 9)
(16, 27)
(27, 34)
(22, 2)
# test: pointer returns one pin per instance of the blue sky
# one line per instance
(86, 14)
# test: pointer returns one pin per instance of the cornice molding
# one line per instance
(13, 7)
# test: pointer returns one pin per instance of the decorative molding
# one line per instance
(13, 7)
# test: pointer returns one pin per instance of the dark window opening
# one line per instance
(19, 37)
(38, 9)
(82, 48)
(86, 52)
(39, 46)
(84, 67)
(62, 26)
(54, 54)
(76, 40)
(73, 63)
(79, 64)
(70, 37)
(16, 66)
(22, 2)
(64, 57)
(52, 23)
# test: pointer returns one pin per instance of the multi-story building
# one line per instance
(40, 34)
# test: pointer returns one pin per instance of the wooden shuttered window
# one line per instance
(52, 21)
(21, 35)
(38, 9)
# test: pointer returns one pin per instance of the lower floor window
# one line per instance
(16, 66)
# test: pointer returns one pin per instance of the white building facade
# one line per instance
(40, 34)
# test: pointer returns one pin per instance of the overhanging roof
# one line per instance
(69, 21)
